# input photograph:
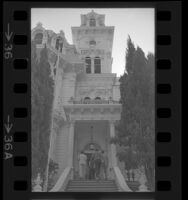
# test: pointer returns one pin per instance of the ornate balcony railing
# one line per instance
(93, 101)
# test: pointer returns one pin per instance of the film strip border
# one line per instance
(17, 102)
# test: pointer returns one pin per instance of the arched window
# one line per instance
(86, 100)
(97, 65)
(92, 42)
(38, 38)
(97, 98)
(92, 22)
(59, 44)
(88, 65)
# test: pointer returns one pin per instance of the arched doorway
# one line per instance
(91, 148)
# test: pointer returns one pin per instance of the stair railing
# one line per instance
(120, 181)
(63, 180)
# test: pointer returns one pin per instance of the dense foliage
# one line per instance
(53, 168)
(136, 129)
(41, 102)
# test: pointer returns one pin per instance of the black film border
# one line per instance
(17, 105)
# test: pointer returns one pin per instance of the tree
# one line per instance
(136, 127)
(124, 80)
(41, 100)
(130, 51)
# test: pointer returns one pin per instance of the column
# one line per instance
(71, 144)
(113, 146)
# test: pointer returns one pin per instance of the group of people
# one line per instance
(93, 166)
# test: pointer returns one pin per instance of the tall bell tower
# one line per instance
(93, 41)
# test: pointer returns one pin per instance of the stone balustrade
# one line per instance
(93, 101)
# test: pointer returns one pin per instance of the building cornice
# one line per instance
(94, 27)
(93, 111)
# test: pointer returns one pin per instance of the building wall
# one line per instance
(60, 153)
(68, 87)
(116, 91)
(92, 85)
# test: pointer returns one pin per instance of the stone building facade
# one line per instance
(86, 96)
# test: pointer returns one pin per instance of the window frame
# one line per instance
(92, 22)
(91, 43)
(41, 39)
(97, 66)
(88, 65)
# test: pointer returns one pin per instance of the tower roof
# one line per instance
(85, 18)
(92, 14)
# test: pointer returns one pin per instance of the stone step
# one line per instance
(99, 186)
(91, 181)
(91, 190)
(83, 185)
(102, 183)
(91, 185)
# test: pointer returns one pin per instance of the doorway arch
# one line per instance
(91, 147)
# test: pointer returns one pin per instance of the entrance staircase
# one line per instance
(91, 186)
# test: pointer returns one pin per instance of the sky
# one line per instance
(139, 23)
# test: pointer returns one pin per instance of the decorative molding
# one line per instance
(82, 110)
(111, 110)
(92, 110)
(93, 92)
(102, 110)
(90, 51)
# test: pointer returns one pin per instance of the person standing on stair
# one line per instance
(97, 160)
(92, 167)
(104, 165)
(82, 165)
